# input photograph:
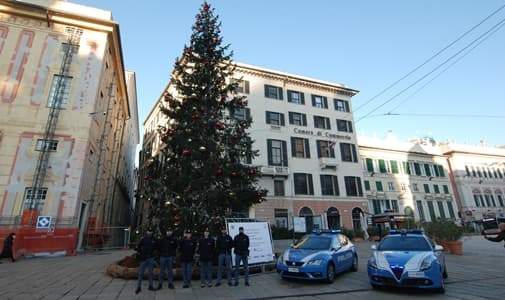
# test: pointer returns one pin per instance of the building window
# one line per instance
(488, 201)
(274, 118)
(492, 200)
(376, 205)
(279, 188)
(303, 184)
(329, 185)
(382, 166)
(420, 210)
(369, 165)
(298, 119)
(427, 169)
(500, 200)
(242, 86)
(426, 188)
(391, 186)
(450, 208)
(406, 167)
(300, 147)
(281, 217)
(378, 186)
(431, 210)
(415, 187)
(35, 198)
(277, 154)
(344, 125)
(417, 169)
(242, 113)
(309, 218)
(476, 199)
(46, 145)
(436, 189)
(482, 203)
(296, 97)
(325, 149)
(74, 49)
(441, 209)
(62, 83)
(348, 152)
(367, 185)
(322, 122)
(273, 92)
(440, 170)
(403, 187)
(356, 218)
(333, 217)
(394, 166)
(446, 189)
(341, 105)
(319, 101)
(467, 171)
(394, 204)
(353, 186)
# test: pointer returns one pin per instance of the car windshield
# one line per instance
(404, 243)
(313, 243)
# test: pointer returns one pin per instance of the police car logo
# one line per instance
(43, 222)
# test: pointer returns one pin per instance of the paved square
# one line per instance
(479, 274)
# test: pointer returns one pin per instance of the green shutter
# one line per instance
(325, 102)
(284, 154)
(307, 148)
(441, 171)
(311, 186)
(269, 151)
(318, 149)
(281, 94)
(367, 185)
(382, 166)
(302, 96)
(378, 185)
(304, 117)
(369, 165)
(283, 123)
(394, 166)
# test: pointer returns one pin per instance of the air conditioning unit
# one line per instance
(328, 163)
(274, 171)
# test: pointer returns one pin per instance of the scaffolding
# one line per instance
(55, 106)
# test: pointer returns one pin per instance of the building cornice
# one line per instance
(401, 151)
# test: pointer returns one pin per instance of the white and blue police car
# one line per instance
(318, 256)
(407, 259)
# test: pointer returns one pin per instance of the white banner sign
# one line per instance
(299, 224)
(260, 243)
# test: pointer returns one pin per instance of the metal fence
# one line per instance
(106, 238)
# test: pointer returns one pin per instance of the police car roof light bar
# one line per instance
(331, 231)
(405, 231)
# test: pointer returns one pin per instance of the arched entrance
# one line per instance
(333, 217)
(356, 218)
(309, 218)
(408, 211)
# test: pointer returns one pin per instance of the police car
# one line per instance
(318, 256)
(407, 259)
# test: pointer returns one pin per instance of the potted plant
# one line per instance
(452, 236)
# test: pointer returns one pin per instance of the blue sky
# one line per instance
(364, 44)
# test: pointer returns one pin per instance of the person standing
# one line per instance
(206, 248)
(7, 251)
(241, 250)
(167, 247)
(187, 248)
(224, 244)
(145, 249)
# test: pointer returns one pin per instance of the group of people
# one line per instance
(207, 248)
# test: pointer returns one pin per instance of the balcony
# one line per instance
(328, 163)
(274, 171)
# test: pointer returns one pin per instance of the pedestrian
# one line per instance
(145, 249)
(206, 248)
(500, 235)
(187, 248)
(224, 244)
(241, 250)
(167, 249)
(7, 251)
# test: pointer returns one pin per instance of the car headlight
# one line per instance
(372, 263)
(426, 264)
(315, 262)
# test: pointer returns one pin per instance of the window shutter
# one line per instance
(327, 121)
(281, 97)
(246, 86)
(302, 97)
(313, 100)
(283, 123)
(284, 154)
(289, 93)
(247, 113)
(318, 148)
(304, 121)
(360, 188)
(346, 103)
(332, 151)
(267, 117)
(290, 117)
(342, 151)
(325, 102)
(266, 91)
(354, 154)
(311, 186)
(335, 185)
(349, 126)
(307, 148)
(293, 147)
(335, 103)
(269, 151)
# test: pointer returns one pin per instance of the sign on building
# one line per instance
(299, 224)
(44, 222)
(260, 241)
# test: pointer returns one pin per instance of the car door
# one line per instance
(346, 250)
(439, 254)
(336, 254)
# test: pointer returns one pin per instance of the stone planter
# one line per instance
(455, 247)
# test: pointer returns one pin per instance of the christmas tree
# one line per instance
(203, 173)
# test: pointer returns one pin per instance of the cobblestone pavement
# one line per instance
(479, 274)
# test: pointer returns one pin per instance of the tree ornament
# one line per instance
(231, 194)
(190, 140)
(219, 125)
(202, 148)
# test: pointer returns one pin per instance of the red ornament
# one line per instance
(186, 152)
(252, 172)
(234, 173)
(219, 125)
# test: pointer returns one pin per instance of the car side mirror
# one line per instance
(373, 247)
(439, 248)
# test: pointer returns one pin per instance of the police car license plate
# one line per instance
(416, 274)
(293, 270)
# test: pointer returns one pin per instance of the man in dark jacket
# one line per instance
(167, 249)
(206, 248)
(500, 235)
(187, 247)
(224, 244)
(145, 249)
(241, 249)
(7, 251)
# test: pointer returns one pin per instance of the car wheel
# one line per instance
(354, 266)
(444, 274)
(330, 273)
